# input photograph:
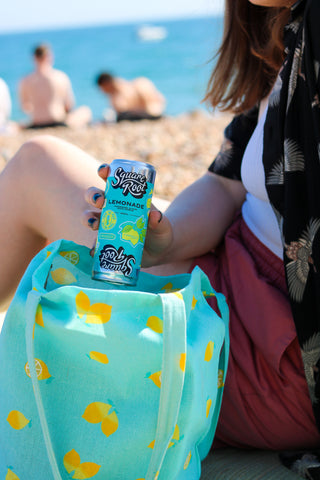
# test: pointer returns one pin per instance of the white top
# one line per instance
(5, 103)
(256, 209)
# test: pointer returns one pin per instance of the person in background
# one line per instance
(6, 126)
(137, 99)
(46, 95)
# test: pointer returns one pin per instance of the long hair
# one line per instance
(250, 56)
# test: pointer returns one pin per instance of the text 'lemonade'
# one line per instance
(123, 223)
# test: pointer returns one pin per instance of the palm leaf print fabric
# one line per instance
(291, 159)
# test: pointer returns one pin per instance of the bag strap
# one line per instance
(33, 301)
(172, 378)
(224, 310)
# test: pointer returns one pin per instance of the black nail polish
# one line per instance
(96, 196)
(104, 165)
(91, 221)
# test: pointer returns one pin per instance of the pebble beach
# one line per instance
(181, 148)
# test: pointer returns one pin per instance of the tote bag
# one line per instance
(108, 382)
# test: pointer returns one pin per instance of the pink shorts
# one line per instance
(266, 402)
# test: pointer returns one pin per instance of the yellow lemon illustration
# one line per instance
(209, 351)
(62, 276)
(41, 369)
(186, 463)
(97, 313)
(99, 357)
(182, 363)
(208, 294)
(194, 302)
(72, 463)
(97, 412)
(151, 445)
(11, 475)
(131, 236)
(220, 378)
(167, 287)
(175, 436)
(110, 424)
(156, 378)
(39, 316)
(71, 460)
(208, 407)
(179, 295)
(86, 470)
(82, 303)
(108, 220)
(72, 256)
(155, 323)
(17, 420)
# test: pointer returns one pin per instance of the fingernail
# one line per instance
(91, 221)
(160, 216)
(96, 196)
(104, 165)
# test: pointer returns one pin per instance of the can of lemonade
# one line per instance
(123, 222)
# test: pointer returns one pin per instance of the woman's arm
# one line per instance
(195, 222)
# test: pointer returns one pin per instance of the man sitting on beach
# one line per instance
(133, 100)
(46, 95)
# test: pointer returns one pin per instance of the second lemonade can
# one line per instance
(123, 222)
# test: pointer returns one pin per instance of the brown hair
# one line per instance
(41, 51)
(250, 56)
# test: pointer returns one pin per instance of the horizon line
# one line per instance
(115, 22)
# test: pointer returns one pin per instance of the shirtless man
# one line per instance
(46, 95)
(137, 99)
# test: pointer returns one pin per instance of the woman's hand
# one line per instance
(159, 235)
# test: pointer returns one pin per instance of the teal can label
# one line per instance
(123, 222)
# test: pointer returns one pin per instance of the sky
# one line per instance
(22, 15)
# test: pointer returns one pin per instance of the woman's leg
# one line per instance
(42, 198)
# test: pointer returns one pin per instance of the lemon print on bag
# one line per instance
(208, 407)
(72, 256)
(155, 323)
(187, 461)
(72, 463)
(62, 276)
(182, 361)
(194, 303)
(39, 316)
(220, 378)
(175, 438)
(11, 475)
(17, 420)
(99, 357)
(155, 377)
(41, 369)
(209, 351)
(96, 313)
(99, 412)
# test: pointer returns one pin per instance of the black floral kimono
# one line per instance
(291, 161)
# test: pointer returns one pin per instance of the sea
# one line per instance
(178, 62)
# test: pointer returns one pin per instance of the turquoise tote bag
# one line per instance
(109, 382)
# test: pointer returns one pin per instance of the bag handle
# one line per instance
(172, 377)
(33, 301)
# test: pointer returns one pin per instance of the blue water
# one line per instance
(178, 64)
